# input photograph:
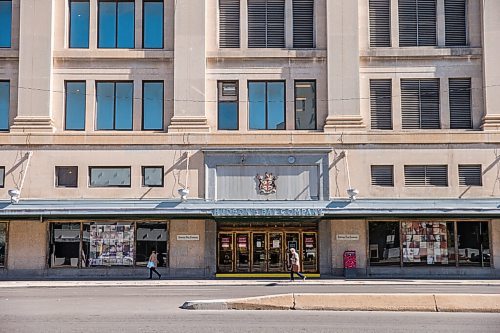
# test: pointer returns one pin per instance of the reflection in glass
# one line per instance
(116, 24)
(152, 106)
(64, 244)
(125, 27)
(5, 23)
(275, 252)
(310, 250)
(151, 236)
(105, 105)
(75, 105)
(79, 23)
(109, 177)
(3, 243)
(305, 105)
(473, 244)
(228, 116)
(242, 253)
(153, 24)
(124, 105)
(114, 105)
(259, 252)
(107, 24)
(225, 253)
(152, 176)
(4, 105)
(384, 245)
(266, 105)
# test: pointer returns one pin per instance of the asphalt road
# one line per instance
(156, 309)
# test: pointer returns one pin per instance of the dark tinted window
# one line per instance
(227, 118)
(4, 105)
(266, 105)
(305, 105)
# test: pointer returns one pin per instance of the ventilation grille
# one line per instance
(420, 103)
(455, 22)
(229, 23)
(426, 175)
(266, 23)
(417, 23)
(381, 104)
(470, 175)
(380, 23)
(460, 103)
(303, 24)
(383, 175)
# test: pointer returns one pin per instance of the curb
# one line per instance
(357, 302)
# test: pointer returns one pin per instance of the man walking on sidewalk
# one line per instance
(295, 267)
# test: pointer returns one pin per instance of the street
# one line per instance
(155, 308)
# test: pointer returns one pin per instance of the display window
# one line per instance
(428, 243)
(3, 244)
(107, 244)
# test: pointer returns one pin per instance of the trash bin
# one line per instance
(350, 264)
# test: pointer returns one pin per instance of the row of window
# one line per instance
(420, 103)
(427, 175)
(418, 23)
(116, 24)
(67, 176)
(429, 243)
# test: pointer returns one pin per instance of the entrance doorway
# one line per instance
(263, 249)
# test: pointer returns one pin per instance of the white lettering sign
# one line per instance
(347, 237)
(267, 212)
(188, 237)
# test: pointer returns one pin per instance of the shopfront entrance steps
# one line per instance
(357, 302)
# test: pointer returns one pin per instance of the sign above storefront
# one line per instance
(348, 237)
(264, 212)
(188, 237)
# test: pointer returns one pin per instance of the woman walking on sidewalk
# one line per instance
(152, 264)
(295, 261)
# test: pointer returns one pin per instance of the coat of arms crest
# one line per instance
(267, 183)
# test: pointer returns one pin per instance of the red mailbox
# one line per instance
(349, 259)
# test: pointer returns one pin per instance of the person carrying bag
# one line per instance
(152, 264)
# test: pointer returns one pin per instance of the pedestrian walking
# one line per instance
(295, 265)
(152, 264)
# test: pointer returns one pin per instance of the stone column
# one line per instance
(35, 67)
(343, 66)
(190, 68)
(491, 67)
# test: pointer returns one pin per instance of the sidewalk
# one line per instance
(224, 282)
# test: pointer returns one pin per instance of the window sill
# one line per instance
(267, 53)
(424, 51)
(112, 54)
(9, 53)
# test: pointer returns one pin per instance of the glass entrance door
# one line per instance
(259, 255)
(310, 252)
(242, 252)
(275, 252)
(225, 255)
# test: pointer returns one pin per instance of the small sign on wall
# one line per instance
(188, 237)
(347, 237)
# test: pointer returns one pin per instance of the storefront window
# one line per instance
(3, 243)
(151, 236)
(64, 244)
(384, 244)
(425, 243)
(473, 244)
(111, 244)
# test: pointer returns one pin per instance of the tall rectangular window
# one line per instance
(152, 24)
(114, 105)
(151, 236)
(473, 244)
(381, 104)
(75, 93)
(266, 23)
(2, 176)
(305, 105)
(3, 243)
(227, 111)
(79, 11)
(460, 103)
(420, 104)
(380, 23)
(417, 23)
(109, 176)
(266, 101)
(5, 23)
(4, 105)
(455, 22)
(303, 23)
(116, 24)
(229, 23)
(152, 105)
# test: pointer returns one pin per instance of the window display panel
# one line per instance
(151, 236)
(473, 244)
(384, 240)
(3, 243)
(110, 244)
(64, 244)
(426, 243)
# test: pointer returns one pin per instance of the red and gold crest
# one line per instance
(267, 183)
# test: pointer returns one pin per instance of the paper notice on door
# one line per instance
(276, 243)
(258, 244)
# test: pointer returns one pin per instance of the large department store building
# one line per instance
(224, 132)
